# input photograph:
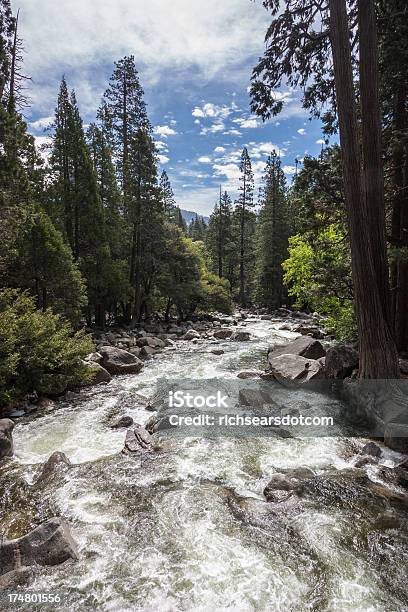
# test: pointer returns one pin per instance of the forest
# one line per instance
(92, 235)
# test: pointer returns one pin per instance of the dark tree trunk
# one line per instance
(378, 355)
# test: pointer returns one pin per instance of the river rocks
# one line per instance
(16, 578)
(123, 422)
(248, 374)
(97, 373)
(6, 438)
(49, 544)
(293, 368)
(372, 449)
(151, 342)
(362, 460)
(117, 361)
(138, 440)
(256, 398)
(396, 436)
(403, 365)
(56, 464)
(341, 361)
(223, 334)
(241, 336)
(303, 347)
(309, 330)
(148, 351)
(217, 351)
(191, 335)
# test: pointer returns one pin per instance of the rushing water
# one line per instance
(188, 529)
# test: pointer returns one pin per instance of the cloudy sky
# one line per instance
(195, 61)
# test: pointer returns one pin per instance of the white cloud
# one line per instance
(219, 150)
(41, 124)
(163, 159)
(302, 131)
(289, 169)
(233, 132)
(212, 111)
(204, 159)
(320, 141)
(260, 149)
(60, 37)
(247, 123)
(161, 146)
(216, 127)
(164, 131)
(197, 122)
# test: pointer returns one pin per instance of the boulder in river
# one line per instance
(241, 336)
(372, 449)
(117, 361)
(217, 351)
(293, 368)
(138, 440)
(223, 333)
(191, 334)
(123, 422)
(303, 347)
(56, 463)
(97, 373)
(6, 438)
(248, 374)
(341, 361)
(49, 544)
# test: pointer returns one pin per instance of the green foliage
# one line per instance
(38, 351)
(44, 265)
(318, 275)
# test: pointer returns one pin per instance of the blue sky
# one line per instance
(195, 61)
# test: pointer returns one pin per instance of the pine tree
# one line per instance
(243, 210)
(272, 235)
(169, 200)
(219, 237)
(124, 113)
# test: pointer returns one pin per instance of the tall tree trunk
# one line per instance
(242, 298)
(399, 269)
(378, 355)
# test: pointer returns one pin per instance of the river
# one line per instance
(188, 528)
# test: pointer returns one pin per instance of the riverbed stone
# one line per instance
(223, 334)
(248, 374)
(305, 346)
(293, 368)
(118, 361)
(341, 361)
(138, 440)
(56, 464)
(191, 334)
(97, 373)
(372, 449)
(6, 438)
(241, 336)
(122, 422)
(217, 351)
(49, 544)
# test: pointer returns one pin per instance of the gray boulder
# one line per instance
(117, 361)
(293, 368)
(341, 361)
(49, 544)
(123, 422)
(56, 464)
(138, 440)
(241, 336)
(223, 334)
(95, 357)
(6, 438)
(303, 347)
(191, 335)
(248, 374)
(97, 373)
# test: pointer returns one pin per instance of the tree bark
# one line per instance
(378, 355)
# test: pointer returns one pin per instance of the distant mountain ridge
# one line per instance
(189, 215)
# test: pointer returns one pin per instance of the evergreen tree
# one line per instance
(169, 200)
(272, 235)
(123, 114)
(219, 235)
(197, 229)
(244, 211)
